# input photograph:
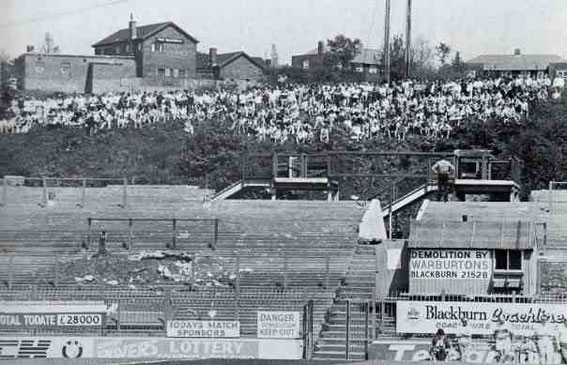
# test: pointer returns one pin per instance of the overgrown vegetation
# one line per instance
(164, 153)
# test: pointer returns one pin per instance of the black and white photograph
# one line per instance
(298, 182)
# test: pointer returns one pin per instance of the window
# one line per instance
(140, 47)
(175, 72)
(161, 72)
(373, 70)
(117, 50)
(562, 73)
(305, 64)
(127, 48)
(359, 68)
(508, 260)
(182, 73)
(157, 47)
(65, 67)
(167, 72)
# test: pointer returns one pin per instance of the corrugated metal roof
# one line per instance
(368, 56)
(515, 62)
(141, 32)
(505, 234)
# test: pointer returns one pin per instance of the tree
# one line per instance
(421, 58)
(342, 50)
(397, 57)
(443, 51)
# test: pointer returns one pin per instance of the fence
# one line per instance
(553, 196)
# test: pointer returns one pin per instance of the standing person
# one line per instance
(544, 342)
(561, 340)
(444, 169)
(464, 338)
(503, 342)
(440, 346)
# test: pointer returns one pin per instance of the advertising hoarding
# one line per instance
(521, 319)
(278, 324)
(203, 329)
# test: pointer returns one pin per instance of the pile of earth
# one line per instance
(148, 268)
(554, 277)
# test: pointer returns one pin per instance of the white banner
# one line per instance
(278, 324)
(450, 264)
(523, 319)
(203, 329)
(14, 347)
(54, 307)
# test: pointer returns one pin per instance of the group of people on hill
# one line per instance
(547, 345)
(299, 113)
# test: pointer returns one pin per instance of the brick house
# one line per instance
(312, 59)
(368, 64)
(231, 66)
(534, 65)
(161, 50)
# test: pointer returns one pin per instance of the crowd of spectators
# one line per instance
(300, 113)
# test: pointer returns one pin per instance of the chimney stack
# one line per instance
(517, 52)
(132, 27)
(213, 56)
(320, 47)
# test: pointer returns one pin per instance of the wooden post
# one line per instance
(89, 227)
(216, 234)
(125, 193)
(274, 165)
(237, 286)
(44, 181)
(347, 330)
(286, 272)
(83, 193)
(11, 271)
(4, 190)
(130, 232)
(366, 323)
(327, 272)
(174, 233)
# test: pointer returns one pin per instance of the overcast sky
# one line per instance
(471, 26)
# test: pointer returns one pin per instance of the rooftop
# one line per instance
(519, 62)
(143, 32)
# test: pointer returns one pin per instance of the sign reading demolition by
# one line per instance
(203, 329)
(278, 324)
(522, 319)
(450, 264)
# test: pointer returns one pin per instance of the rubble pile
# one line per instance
(554, 277)
(152, 267)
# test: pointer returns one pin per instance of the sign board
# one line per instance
(278, 324)
(414, 351)
(14, 347)
(203, 329)
(170, 40)
(52, 314)
(521, 319)
(437, 264)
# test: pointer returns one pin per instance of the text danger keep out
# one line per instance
(281, 324)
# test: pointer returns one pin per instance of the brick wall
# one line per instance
(65, 73)
(242, 69)
(174, 56)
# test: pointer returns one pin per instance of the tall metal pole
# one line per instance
(387, 42)
(408, 40)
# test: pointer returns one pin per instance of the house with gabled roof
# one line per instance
(161, 50)
(231, 66)
(512, 65)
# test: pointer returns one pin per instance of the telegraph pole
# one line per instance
(387, 42)
(408, 40)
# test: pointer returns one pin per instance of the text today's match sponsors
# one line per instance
(450, 264)
(278, 324)
(203, 329)
(522, 319)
